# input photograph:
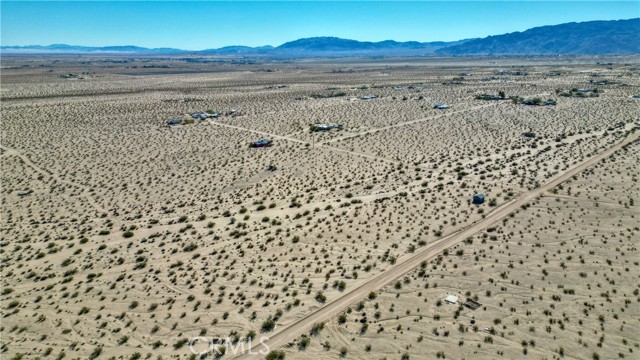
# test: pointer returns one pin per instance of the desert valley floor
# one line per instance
(125, 238)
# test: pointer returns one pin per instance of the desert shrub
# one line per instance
(320, 297)
(268, 325)
(316, 328)
(96, 352)
(275, 355)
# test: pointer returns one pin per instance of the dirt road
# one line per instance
(85, 189)
(216, 123)
(406, 264)
(410, 122)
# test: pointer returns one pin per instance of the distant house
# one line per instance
(174, 122)
(368, 97)
(325, 127)
(231, 112)
(204, 115)
(24, 192)
(261, 143)
(440, 106)
(478, 199)
(529, 134)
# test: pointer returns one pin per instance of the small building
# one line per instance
(261, 143)
(368, 97)
(24, 192)
(440, 106)
(174, 122)
(451, 299)
(472, 304)
(478, 199)
(529, 134)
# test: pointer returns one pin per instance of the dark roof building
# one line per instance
(262, 143)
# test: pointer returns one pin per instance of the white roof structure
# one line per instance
(452, 299)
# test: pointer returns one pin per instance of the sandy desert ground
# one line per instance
(125, 238)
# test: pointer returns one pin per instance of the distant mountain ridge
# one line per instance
(338, 45)
(64, 48)
(301, 47)
(585, 38)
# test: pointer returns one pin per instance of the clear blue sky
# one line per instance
(202, 24)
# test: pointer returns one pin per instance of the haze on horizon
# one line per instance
(204, 25)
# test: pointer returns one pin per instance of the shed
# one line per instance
(174, 122)
(472, 304)
(478, 199)
(451, 299)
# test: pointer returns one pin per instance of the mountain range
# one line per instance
(592, 37)
(586, 38)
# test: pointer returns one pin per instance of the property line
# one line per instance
(410, 262)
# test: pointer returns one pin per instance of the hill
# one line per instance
(338, 46)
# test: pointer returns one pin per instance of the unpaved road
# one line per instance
(407, 263)
(215, 123)
(446, 113)
(85, 189)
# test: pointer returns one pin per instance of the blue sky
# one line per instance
(203, 24)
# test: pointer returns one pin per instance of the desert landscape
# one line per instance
(142, 217)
